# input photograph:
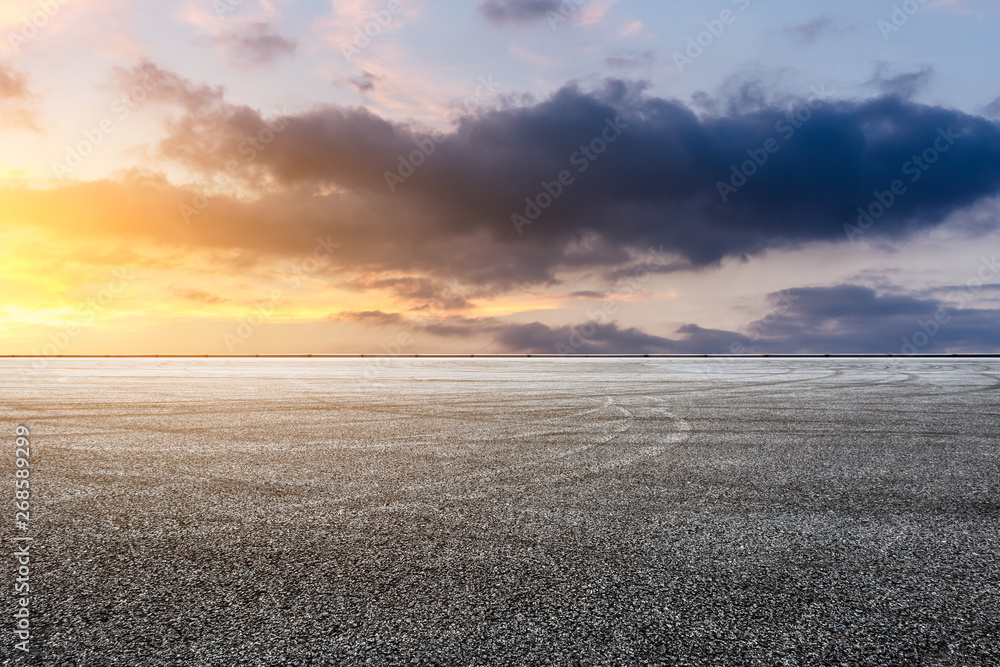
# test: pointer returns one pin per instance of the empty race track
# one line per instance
(510, 511)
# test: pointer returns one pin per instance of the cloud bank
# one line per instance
(516, 188)
(842, 319)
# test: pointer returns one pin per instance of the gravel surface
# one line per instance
(517, 511)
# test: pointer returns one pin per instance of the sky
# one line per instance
(499, 176)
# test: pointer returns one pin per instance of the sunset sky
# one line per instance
(253, 176)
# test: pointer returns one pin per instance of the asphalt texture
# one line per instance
(509, 511)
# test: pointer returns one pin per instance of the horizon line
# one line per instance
(457, 355)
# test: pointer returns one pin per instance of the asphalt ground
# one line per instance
(506, 511)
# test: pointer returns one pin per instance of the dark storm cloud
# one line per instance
(852, 319)
(440, 207)
(656, 184)
(258, 44)
(517, 11)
